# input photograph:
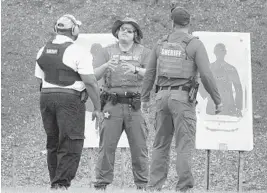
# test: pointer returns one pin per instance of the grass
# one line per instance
(28, 24)
(109, 190)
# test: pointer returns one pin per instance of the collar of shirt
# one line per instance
(129, 51)
(60, 39)
(177, 34)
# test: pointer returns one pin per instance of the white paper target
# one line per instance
(230, 58)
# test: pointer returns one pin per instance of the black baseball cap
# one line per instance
(180, 16)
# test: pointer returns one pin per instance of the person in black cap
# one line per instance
(67, 78)
(176, 60)
(122, 66)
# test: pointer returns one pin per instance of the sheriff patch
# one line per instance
(52, 51)
(168, 52)
(125, 57)
(128, 58)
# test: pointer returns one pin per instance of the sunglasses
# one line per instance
(130, 31)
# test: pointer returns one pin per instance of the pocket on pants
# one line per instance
(190, 125)
(182, 98)
(144, 126)
(155, 121)
(75, 144)
(158, 101)
(159, 107)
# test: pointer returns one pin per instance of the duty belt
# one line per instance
(60, 90)
(83, 94)
(124, 100)
(130, 98)
(180, 87)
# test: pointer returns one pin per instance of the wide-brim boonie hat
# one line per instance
(117, 24)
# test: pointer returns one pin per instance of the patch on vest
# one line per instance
(125, 57)
(52, 51)
(173, 62)
(169, 52)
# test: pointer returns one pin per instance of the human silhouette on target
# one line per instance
(228, 82)
(95, 48)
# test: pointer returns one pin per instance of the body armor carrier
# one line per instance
(173, 61)
(117, 78)
(55, 71)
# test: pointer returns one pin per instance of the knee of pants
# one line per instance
(139, 154)
(108, 149)
(52, 142)
(184, 158)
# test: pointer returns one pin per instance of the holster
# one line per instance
(156, 89)
(113, 97)
(40, 86)
(136, 101)
(84, 96)
(193, 90)
(130, 98)
(103, 99)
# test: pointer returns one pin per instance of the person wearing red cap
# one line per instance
(176, 60)
(66, 74)
(122, 66)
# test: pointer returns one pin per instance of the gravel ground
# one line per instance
(26, 25)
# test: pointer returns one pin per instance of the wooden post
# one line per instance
(14, 164)
(123, 165)
(240, 170)
(207, 176)
(91, 166)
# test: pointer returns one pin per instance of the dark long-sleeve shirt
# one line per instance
(196, 51)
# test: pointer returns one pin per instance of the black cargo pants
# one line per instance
(63, 117)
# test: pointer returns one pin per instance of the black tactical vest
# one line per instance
(173, 61)
(55, 71)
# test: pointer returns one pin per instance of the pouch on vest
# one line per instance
(173, 61)
(55, 71)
